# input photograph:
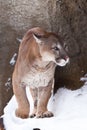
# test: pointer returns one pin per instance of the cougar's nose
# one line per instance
(66, 58)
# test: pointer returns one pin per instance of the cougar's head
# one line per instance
(51, 47)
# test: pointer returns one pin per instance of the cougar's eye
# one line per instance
(56, 48)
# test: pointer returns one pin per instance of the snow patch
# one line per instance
(13, 59)
(8, 83)
(18, 39)
(69, 108)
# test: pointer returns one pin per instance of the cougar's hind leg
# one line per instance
(34, 93)
(23, 104)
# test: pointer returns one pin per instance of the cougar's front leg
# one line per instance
(34, 93)
(44, 94)
(23, 104)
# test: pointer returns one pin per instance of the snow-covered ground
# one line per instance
(69, 108)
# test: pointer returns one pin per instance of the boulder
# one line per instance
(68, 18)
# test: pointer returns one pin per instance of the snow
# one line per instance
(13, 61)
(19, 40)
(69, 108)
(8, 84)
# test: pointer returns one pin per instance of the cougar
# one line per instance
(39, 53)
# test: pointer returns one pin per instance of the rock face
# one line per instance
(68, 18)
(71, 18)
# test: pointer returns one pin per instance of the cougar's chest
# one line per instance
(38, 79)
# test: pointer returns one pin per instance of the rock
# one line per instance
(68, 18)
(36, 129)
(2, 124)
(71, 18)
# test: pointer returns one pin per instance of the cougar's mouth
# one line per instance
(62, 62)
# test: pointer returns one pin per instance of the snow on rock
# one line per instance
(69, 108)
(8, 84)
(19, 40)
(12, 61)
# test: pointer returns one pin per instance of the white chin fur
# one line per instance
(62, 62)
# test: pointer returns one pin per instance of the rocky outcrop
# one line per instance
(68, 18)
(71, 18)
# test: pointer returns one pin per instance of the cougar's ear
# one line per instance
(37, 37)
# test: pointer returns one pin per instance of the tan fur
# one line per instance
(35, 69)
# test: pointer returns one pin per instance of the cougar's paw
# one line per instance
(32, 115)
(21, 113)
(44, 114)
(48, 114)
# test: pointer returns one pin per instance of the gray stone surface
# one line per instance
(68, 18)
(24, 14)
(71, 19)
